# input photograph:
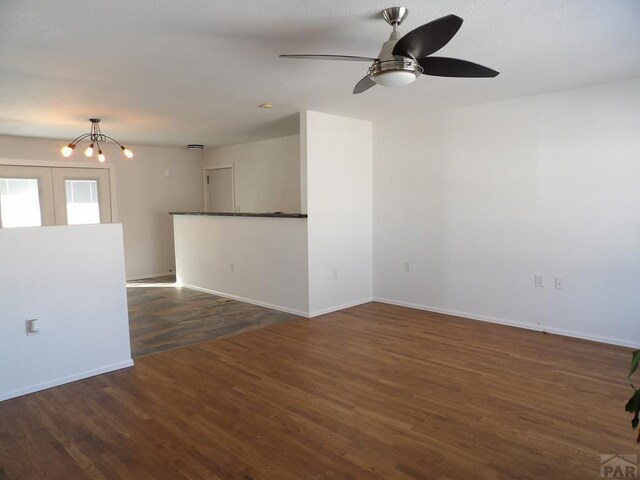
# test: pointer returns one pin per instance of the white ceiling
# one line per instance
(172, 72)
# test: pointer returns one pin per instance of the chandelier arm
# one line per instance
(112, 139)
(80, 138)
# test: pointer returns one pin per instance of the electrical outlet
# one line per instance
(407, 267)
(539, 281)
(559, 283)
(334, 272)
(232, 267)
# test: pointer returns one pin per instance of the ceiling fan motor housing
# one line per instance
(391, 70)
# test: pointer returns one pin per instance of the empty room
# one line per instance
(291, 240)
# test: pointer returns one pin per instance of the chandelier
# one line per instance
(95, 136)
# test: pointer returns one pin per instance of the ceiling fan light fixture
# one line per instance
(398, 72)
(395, 78)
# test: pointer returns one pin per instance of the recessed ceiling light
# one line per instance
(265, 105)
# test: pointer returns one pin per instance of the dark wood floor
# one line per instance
(372, 392)
(163, 316)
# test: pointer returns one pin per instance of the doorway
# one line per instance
(219, 189)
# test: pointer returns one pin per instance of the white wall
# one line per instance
(72, 280)
(144, 194)
(269, 257)
(338, 161)
(480, 199)
(267, 173)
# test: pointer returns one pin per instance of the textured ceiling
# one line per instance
(172, 72)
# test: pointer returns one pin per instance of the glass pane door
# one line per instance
(20, 202)
(26, 196)
(81, 195)
(82, 202)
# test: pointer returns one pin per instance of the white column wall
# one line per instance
(338, 162)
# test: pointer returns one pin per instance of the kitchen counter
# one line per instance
(233, 214)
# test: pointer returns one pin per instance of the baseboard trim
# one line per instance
(324, 311)
(512, 323)
(150, 275)
(62, 380)
(248, 300)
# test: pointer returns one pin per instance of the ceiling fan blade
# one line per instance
(429, 38)
(363, 85)
(454, 67)
(347, 58)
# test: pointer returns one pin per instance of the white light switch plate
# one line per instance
(33, 326)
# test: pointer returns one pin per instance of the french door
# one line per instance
(81, 195)
(26, 197)
(40, 196)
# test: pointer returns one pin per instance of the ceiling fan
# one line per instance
(402, 60)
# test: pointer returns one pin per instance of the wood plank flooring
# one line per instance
(372, 392)
(163, 316)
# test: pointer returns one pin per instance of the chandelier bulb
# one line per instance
(68, 150)
(128, 153)
(101, 157)
(89, 151)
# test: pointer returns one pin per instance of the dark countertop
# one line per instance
(232, 214)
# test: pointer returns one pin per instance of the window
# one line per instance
(19, 203)
(82, 202)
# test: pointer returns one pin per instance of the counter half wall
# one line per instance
(255, 258)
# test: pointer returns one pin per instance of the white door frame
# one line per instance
(206, 185)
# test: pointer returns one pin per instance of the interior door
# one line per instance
(26, 197)
(81, 196)
(220, 189)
